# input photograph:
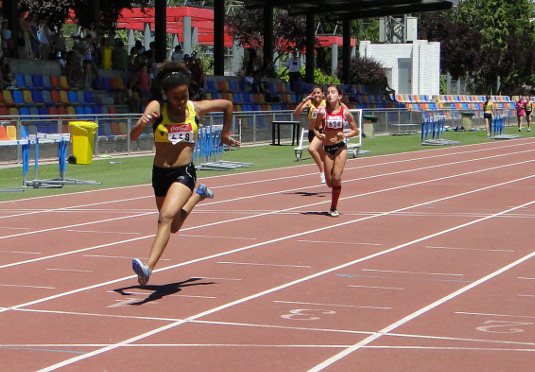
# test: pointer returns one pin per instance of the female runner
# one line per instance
(174, 123)
(332, 121)
(315, 102)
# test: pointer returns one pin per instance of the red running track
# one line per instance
(430, 267)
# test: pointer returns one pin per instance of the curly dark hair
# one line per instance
(171, 74)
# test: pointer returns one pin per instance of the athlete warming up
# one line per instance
(174, 121)
(329, 129)
(314, 102)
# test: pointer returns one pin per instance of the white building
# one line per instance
(412, 68)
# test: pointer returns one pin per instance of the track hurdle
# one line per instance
(208, 153)
(431, 132)
(497, 129)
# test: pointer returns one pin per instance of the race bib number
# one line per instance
(179, 133)
(334, 122)
(314, 114)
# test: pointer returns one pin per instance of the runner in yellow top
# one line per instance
(488, 113)
(314, 102)
(529, 110)
(174, 122)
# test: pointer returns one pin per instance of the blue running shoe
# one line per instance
(204, 192)
(142, 271)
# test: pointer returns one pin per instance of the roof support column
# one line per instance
(160, 30)
(219, 37)
(310, 44)
(346, 52)
(268, 36)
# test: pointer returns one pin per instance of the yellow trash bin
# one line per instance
(106, 57)
(83, 137)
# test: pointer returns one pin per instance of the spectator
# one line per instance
(73, 69)
(144, 83)
(24, 46)
(132, 59)
(91, 31)
(294, 66)
(119, 57)
(178, 54)
(87, 62)
(268, 95)
(7, 41)
(520, 111)
(111, 42)
(8, 78)
(45, 37)
(197, 72)
(34, 39)
(140, 48)
(130, 97)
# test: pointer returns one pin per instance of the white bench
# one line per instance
(352, 148)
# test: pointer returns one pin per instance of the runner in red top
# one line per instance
(332, 121)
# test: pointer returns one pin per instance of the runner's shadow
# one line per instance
(315, 213)
(160, 291)
(304, 193)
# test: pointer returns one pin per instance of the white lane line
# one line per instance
(172, 295)
(525, 278)
(26, 286)
(334, 242)
(286, 191)
(346, 181)
(20, 252)
(287, 285)
(423, 310)
(469, 249)
(125, 257)
(270, 326)
(14, 228)
(213, 278)
(334, 305)
(70, 270)
(103, 232)
(525, 295)
(376, 287)
(410, 272)
(467, 149)
(454, 348)
(313, 204)
(325, 228)
(261, 264)
(217, 237)
(72, 207)
(496, 315)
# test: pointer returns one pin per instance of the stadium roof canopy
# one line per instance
(338, 10)
(352, 9)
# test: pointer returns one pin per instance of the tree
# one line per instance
(58, 10)
(365, 70)
(247, 27)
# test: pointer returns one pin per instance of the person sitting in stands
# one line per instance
(8, 78)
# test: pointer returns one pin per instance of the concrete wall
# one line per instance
(425, 64)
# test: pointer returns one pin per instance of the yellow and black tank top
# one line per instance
(313, 110)
(167, 131)
(488, 106)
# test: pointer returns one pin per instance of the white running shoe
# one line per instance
(334, 213)
(205, 192)
(142, 271)
(322, 177)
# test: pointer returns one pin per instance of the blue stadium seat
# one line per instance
(38, 82)
(20, 81)
(46, 82)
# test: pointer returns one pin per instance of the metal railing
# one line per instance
(249, 127)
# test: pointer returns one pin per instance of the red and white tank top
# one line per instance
(334, 121)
